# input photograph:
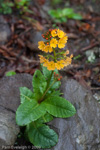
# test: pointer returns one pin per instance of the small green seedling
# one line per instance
(61, 15)
(6, 7)
(10, 73)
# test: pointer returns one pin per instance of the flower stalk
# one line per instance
(42, 98)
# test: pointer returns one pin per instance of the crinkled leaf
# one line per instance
(52, 94)
(26, 94)
(55, 93)
(59, 107)
(46, 72)
(47, 75)
(29, 111)
(42, 136)
(39, 84)
(56, 85)
(44, 119)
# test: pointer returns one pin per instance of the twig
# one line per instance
(90, 46)
(7, 50)
(98, 88)
(29, 60)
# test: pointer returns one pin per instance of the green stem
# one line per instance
(54, 55)
(46, 92)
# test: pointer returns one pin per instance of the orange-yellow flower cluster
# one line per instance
(56, 39)
(60, 64)
(59, 39)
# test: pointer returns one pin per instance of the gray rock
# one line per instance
(34, 38)
(8, 127)
(5, 31)
(82, 131)
(9, 102)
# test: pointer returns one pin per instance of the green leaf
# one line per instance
(10, 73)
(67, 11)
(58, 20)
(44, 119)
(39, 84)
(61, 14)
(63, 19)
(59, 107)
(77, 57)
(9, 4)
(29, 111)
(26, 94)
(54, 13)
(52, 94)
(47, 75)
(56, 85)
(55, 93)
(76, 16)
(42, 136)
(46, 72)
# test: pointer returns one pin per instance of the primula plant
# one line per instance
(40, 106)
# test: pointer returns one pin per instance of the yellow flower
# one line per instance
(59, 65)
(61, 61)
(61, 43)
(68, 60)
(46, 62)
(48, 48)
(42, 59)
(60, 33)
(50, 65)
(64, 39)
(53, 43)
(54, 32)
(66, 53)
(41, 45)
(71, 56)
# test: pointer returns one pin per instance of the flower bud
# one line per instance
(58, 79)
